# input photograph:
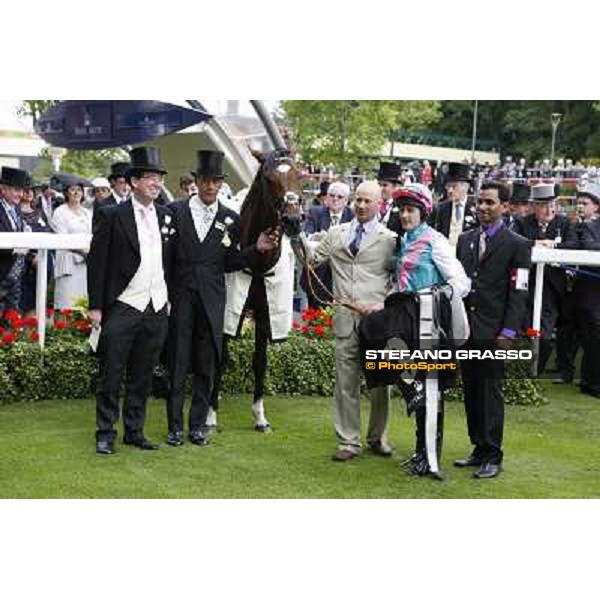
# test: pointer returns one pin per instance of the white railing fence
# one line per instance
(44, 242)
(541, 257)
(51, 241)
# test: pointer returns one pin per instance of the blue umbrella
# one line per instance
(97, 124)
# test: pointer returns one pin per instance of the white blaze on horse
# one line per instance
(267, 291)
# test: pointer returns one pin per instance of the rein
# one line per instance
(311, 274)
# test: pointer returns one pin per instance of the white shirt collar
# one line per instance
(368, 227)
(197, 203)
(137, 205)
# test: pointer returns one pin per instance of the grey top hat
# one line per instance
(592, 190)
(543, 192)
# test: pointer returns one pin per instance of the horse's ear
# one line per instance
(258, 155)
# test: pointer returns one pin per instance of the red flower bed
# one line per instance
(67, 322)
(316, 324)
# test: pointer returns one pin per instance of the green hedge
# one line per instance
(299, 366)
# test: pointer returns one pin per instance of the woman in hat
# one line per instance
(424, 263)
(70, 269)
(33, 220)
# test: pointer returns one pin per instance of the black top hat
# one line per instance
(61, 181)
(458, 172)
(521, 192)
(389, 172)
(15, 177)
(119, 169)
(144, 159)
(210, 163)
(323, 188)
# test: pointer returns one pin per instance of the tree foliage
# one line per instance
(344, 132)
(523, 127)
(34, 108)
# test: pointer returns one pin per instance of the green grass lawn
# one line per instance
(47, 451)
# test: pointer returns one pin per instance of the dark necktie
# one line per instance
(14, 217)
(355, 244)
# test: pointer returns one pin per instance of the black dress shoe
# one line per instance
(175, 438)
(140, 442)
(105, 447)
(197, 438)
(487, 471)
(470, 461)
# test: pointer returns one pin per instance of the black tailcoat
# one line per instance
(114, 256)
(201, 266)
(131, 340)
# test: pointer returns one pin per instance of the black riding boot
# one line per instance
(413, 393)
(418, 464)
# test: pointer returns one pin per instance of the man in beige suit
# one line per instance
(360, 254)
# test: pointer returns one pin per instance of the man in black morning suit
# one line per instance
(497, 261)
(543, 227)
(205, 247)
(127, 272)
(458, 213)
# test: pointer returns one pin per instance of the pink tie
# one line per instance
(145, 212)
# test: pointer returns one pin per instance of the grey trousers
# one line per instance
(347, 398)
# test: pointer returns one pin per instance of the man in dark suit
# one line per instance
(580, 310)
(586, 293)
(457, 213)
(321, 197)
(47, 200)
(544, 227)
(205, 247)
(127, 286)
(121, 189)
(334, 211)
(518, 205)
(389, 177)
(497, 261)
(12, 261)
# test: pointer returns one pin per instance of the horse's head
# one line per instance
(278, 178)
(276, 183)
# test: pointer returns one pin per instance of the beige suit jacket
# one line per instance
(364, 278)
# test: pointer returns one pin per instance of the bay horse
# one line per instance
(267, 290)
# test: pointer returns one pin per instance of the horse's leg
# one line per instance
(262, 334)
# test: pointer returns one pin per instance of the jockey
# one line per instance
(423, 308)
